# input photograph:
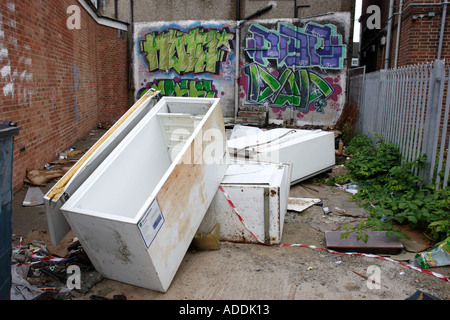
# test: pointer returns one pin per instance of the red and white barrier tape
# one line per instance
(440, 276)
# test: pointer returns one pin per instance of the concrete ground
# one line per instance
(240, 271)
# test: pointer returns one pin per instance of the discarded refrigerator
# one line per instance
(138, 212)
(259, 192)
(309, 151)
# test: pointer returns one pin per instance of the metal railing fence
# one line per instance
(408, 106)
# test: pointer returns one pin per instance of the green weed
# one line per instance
(392, 192)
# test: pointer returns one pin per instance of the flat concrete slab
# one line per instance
(377, 243)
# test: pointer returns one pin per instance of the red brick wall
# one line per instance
(419, 38)
(419, 35)
(56, 83)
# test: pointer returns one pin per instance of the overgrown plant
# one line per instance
(392, 192)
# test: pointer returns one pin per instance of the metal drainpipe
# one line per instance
(399, 27)
(236, 84)
(389, 35)
(441, 35)
(236, 78)
(132, 44)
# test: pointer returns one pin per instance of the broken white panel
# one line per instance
(260, 194)
(137, 213)
(301, 204)
(244, 131)
(309, 151)
(33, 197)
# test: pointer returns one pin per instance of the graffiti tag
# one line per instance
(298, 89)
(312, 46)
(197, 51)
(182, 88)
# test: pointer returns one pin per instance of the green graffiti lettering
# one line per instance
(197, 51)
(182, 88)
(298, 89)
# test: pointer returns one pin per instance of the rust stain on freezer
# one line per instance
(184, 197)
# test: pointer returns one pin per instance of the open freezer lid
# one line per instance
(54, 199)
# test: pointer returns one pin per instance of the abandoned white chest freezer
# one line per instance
(259, 192)
(138, 212)
(309, 151)
(58, 226)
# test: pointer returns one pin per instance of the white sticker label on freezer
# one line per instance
(151, 222)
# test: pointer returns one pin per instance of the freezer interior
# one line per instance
(119, 188)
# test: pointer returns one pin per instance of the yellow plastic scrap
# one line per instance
(208, 242)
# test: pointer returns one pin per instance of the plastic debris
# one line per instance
(208, 242)
(34, 197)
(301, 204)
(439, 256)
(40, 275)
(349, 187)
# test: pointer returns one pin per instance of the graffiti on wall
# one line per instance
(184, 88)
(191, 61)
(197, 51)
(298, 88)
(312, 46)
(288, 65)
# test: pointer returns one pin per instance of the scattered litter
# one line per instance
(41, 177)
(60, 250)
(349, 187)
(20, 288)
(38, 274)
(34, 197)
(310, 268)
(439, 256)
(53, 170)
(338, 262)
(301, 204)
(74, 153)
(326, 210)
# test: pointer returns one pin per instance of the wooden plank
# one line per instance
(377, 243)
